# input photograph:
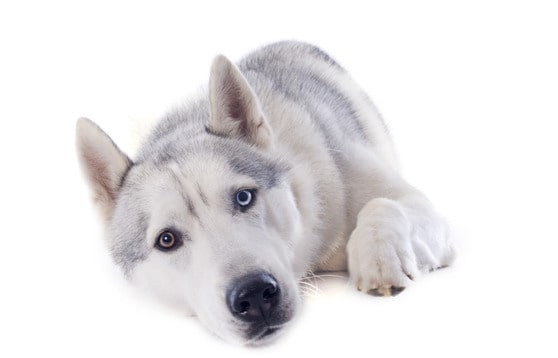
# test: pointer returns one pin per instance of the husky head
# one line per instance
(209, 222)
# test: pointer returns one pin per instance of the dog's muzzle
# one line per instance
(256, 299)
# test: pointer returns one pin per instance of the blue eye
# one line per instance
(245, 198)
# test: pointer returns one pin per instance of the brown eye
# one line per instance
(168, 240)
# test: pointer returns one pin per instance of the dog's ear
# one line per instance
(235, 109)
(102, 162)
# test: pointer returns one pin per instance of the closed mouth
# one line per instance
(268, 332)
(265, 335)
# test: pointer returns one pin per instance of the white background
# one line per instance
(469, 90)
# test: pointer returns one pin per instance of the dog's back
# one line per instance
(302, 73)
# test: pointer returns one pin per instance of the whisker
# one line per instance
(308, 288)
(322, 276)
(309, 283)
(309, 292)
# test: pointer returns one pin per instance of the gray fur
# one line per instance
(129, 246)
(265, 173)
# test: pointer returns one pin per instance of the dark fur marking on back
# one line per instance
(324, 56)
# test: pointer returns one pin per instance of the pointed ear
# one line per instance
(103, 164)
(235, 109)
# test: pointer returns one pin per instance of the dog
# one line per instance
(284, 167)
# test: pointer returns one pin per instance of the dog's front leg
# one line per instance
(394, 241)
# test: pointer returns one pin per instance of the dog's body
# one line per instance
(285, 168)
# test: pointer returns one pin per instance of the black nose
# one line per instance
(253, 297)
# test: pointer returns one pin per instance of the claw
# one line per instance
(396, 290)
(386, 291)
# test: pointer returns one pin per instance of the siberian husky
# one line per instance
(283, 168)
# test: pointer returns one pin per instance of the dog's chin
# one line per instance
(265, 335)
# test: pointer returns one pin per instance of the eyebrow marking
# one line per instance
(177, 174)
(191, 208)
(202, 195)
(266, 173)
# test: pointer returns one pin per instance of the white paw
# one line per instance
(381, 256)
